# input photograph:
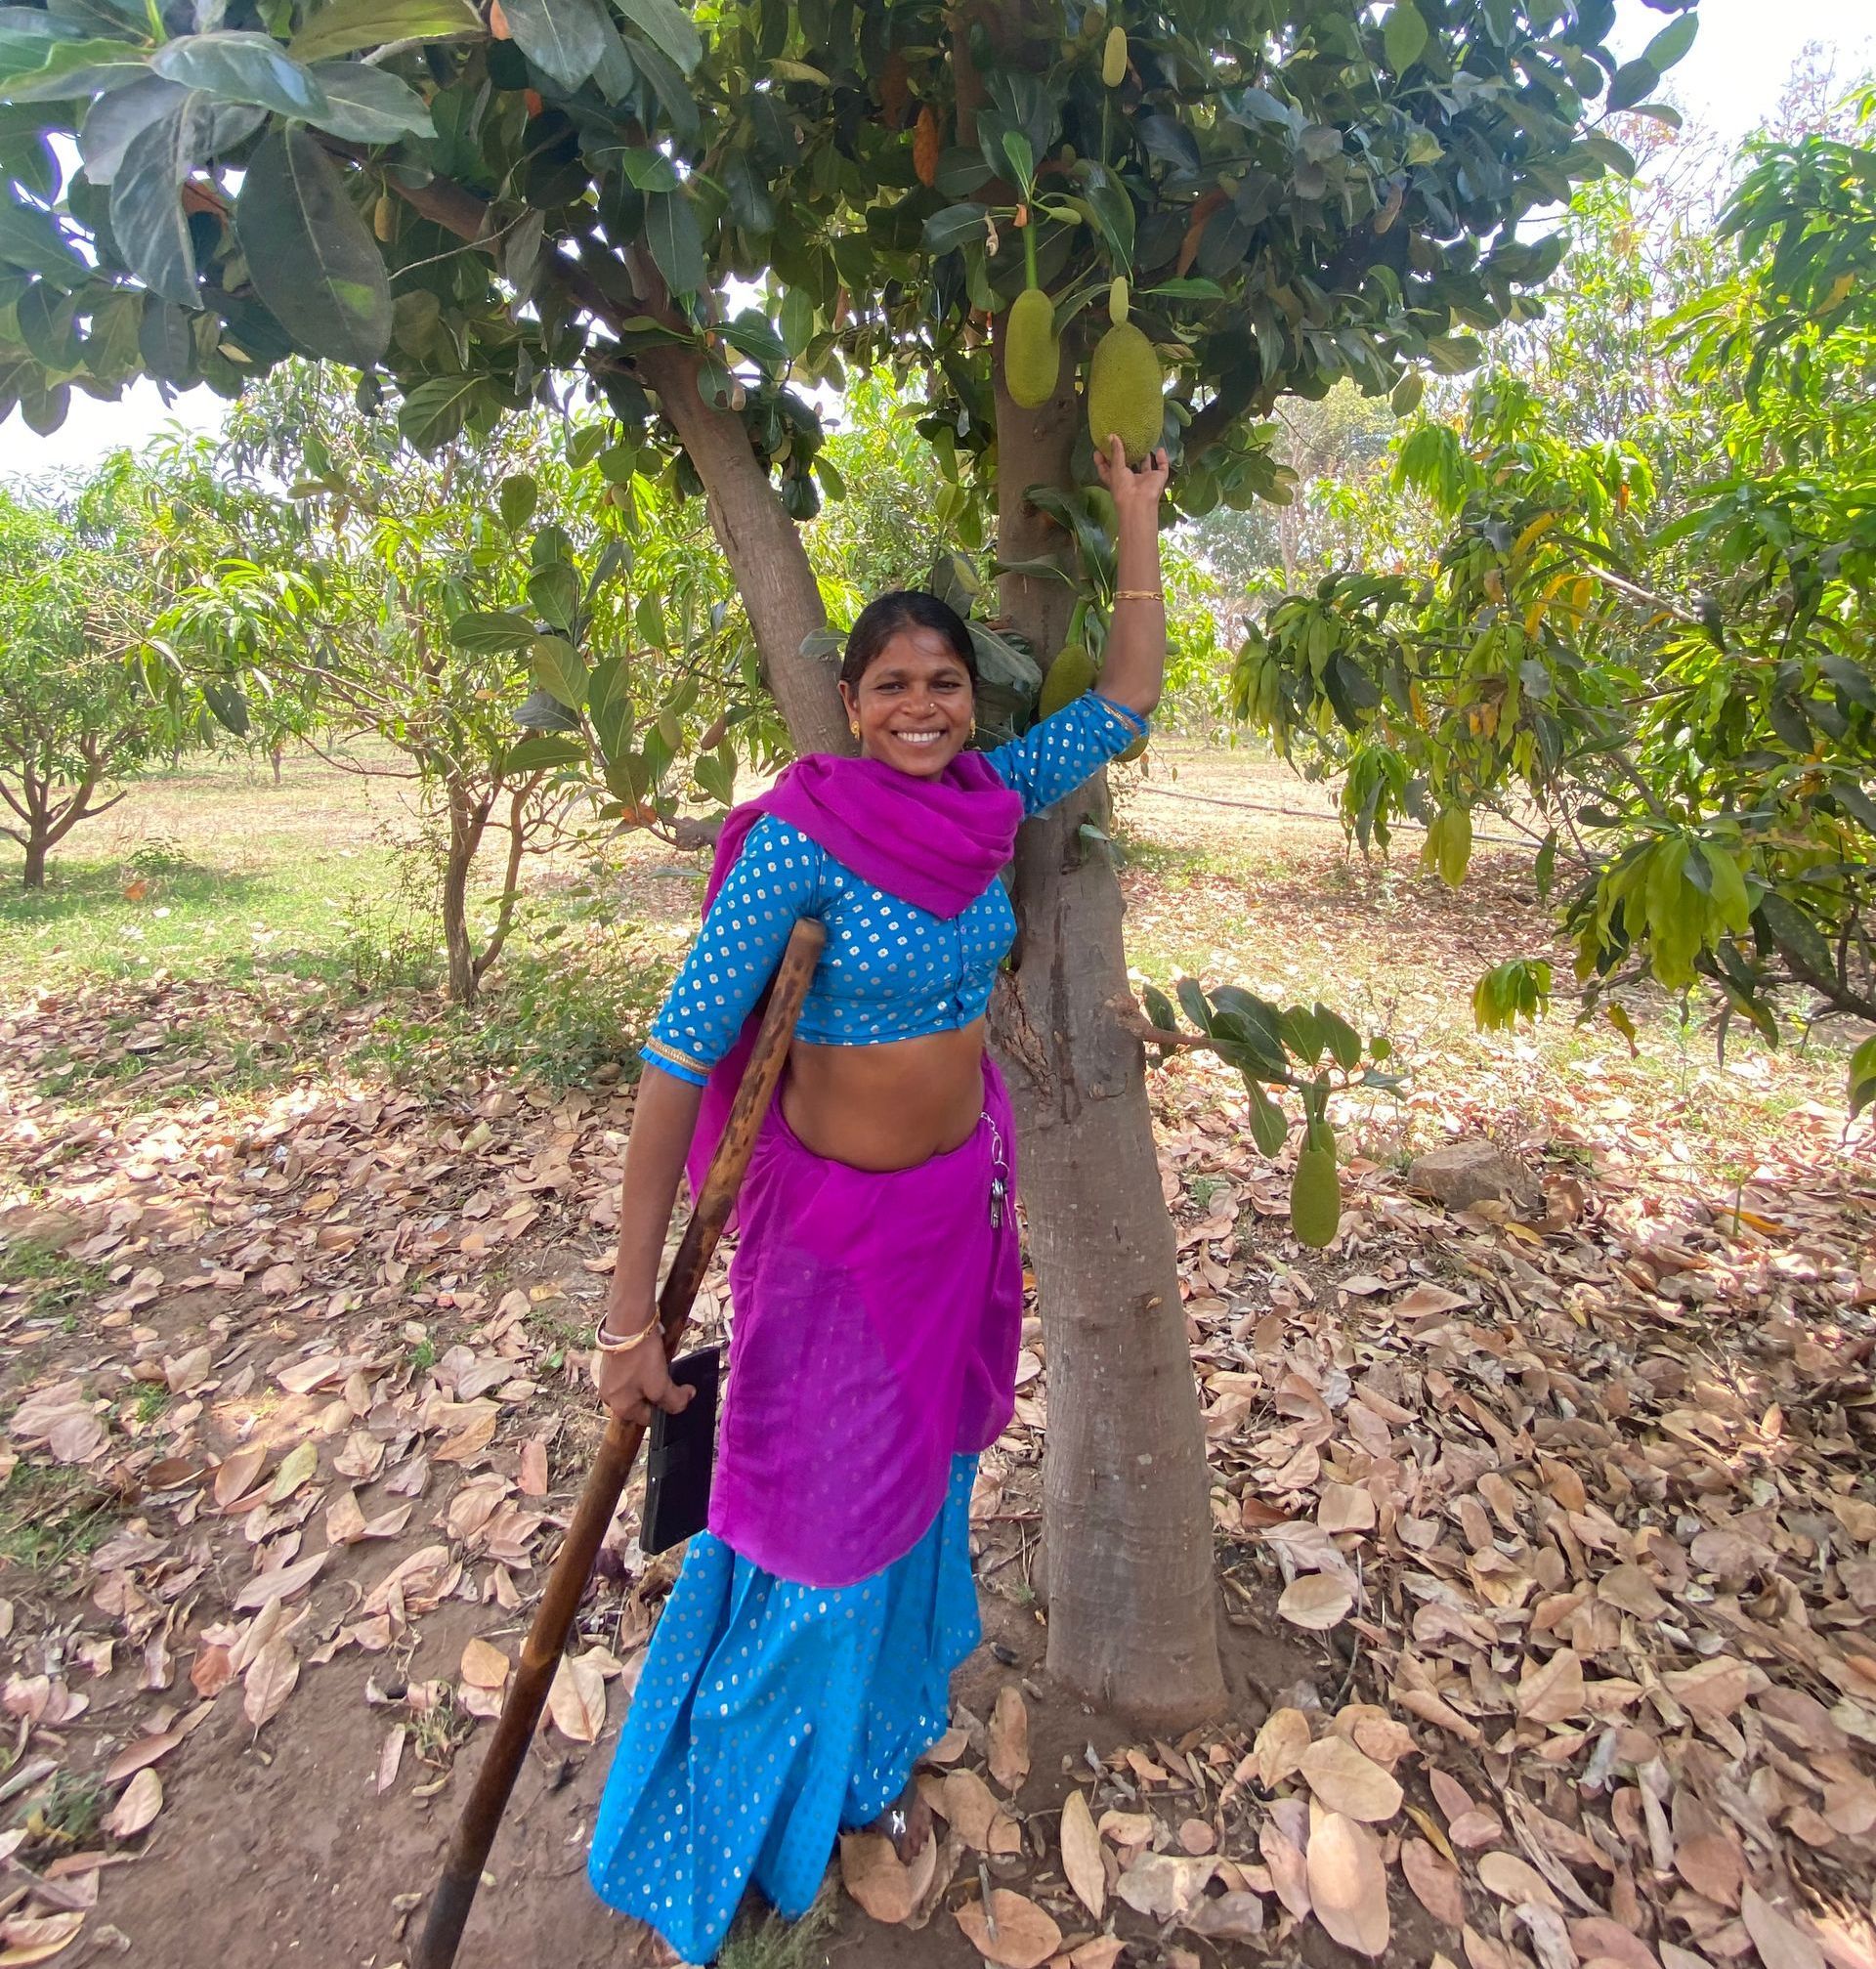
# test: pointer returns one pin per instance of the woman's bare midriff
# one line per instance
(890, 1106)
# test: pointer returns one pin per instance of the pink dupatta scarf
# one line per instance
(877, 1316)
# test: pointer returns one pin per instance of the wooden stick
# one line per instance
(540, 1654)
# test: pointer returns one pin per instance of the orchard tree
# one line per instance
(1663, 644)
(81, 569)
(696, 216)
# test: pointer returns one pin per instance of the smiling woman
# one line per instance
(803, 1664)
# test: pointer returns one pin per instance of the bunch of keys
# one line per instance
(997, 1195)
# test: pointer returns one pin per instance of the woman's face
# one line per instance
(913, 704)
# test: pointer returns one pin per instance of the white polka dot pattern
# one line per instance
(768, 1716)
(890, 969)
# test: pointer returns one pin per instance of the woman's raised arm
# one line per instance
(1133, 667)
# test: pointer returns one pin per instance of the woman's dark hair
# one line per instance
(904, 609)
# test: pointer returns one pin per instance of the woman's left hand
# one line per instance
(1135, 494)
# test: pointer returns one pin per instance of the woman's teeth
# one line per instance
(919, 738)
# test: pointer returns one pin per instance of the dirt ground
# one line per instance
(1546, 1538)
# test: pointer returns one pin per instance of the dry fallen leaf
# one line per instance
(38, 1938)
(1553, 1693)
(1280, 1743)
(1435, 1882)
(1515, 1880)
(1781, 1944)
(142, 1800)
(299, 1467)
(577, 1700)
(270, 1680)
(1009, 1738)
(389, 1757)
(1081, 1853)
(1347, 1782)
(484, 1665)
(1165, 1886)
(1349, 1884)
(1316, 1600)
(238, 1471)
(1289, 1870)
(1017, 1935)
(874, 1874)
(534, 1468)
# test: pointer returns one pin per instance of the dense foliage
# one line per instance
(1650, 627)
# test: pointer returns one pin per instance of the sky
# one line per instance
(1729, 83)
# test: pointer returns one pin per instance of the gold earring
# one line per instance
(853, 725)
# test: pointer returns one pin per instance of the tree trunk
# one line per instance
(34, 876)
(465, 837)
(762, 544)
(1127, 1523)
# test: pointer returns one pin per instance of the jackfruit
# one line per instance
(1071, 673)
(1117, 299)
(1316, 1190)
(1032, 356)
(1137, 750)
(1114, 58)
(1123, 393)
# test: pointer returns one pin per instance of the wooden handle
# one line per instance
(553, 1620)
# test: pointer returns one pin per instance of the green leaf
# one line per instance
(147, 203)
(1798, 933)
(434, 413)
(648, 170)
(1618, 157)
(32, 239)
(349, 26)
(1729, 888)
(1270, 1125)
(1188, 288)
(311, 257)
(1192, 998)
(554, 590)
(1404, 35)
(609, 704)
(229, 705)
(1672, 43)
(1862, 1077)
(368, 105)
(489, 632)
(667, 28)
(73, 70)
(541, 711)
(241, 67)
(563, 38)
(114, 119)
(1407, 394)
(676, 244)
(516, 499)
(1343, 1040)
(541, 753)
(1454, 355)
(1631, 83)
(1159, 1008)
(559, 670)
(956, 225)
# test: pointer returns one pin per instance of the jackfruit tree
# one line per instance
(693, 218)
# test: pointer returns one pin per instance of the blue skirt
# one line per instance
(770, 1715)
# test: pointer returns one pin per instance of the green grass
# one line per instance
(51, 1515)
(764, 1941)
(55, 1285)
(66, 1815)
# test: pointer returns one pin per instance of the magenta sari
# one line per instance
(877, 1316)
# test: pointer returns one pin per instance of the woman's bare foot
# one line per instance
(907, 1822)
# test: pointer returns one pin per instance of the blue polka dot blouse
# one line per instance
(889, 971)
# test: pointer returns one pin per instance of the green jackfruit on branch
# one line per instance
(1126, 393)
(1032, 355)
(1315, 1189)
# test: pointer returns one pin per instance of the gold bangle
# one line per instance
(607, 1342)
(1140, 595)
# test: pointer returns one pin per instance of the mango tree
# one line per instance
(1661, 645)
(696, 217)
(81, 569)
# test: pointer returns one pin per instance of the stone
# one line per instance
(1461, 1175)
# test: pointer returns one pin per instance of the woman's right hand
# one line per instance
(635, 1383)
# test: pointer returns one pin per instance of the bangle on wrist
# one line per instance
(1140, 595)
(611, 1342)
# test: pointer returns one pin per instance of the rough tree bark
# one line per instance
(467, 818)
(1128, 1544)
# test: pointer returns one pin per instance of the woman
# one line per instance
(802, 1662)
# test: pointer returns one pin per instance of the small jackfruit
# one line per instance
(1032, 356)
(1137, 750)
(1071, 673)
(1316, 1190)
(1124, 393)
(1117, 299)
(1114, 58)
